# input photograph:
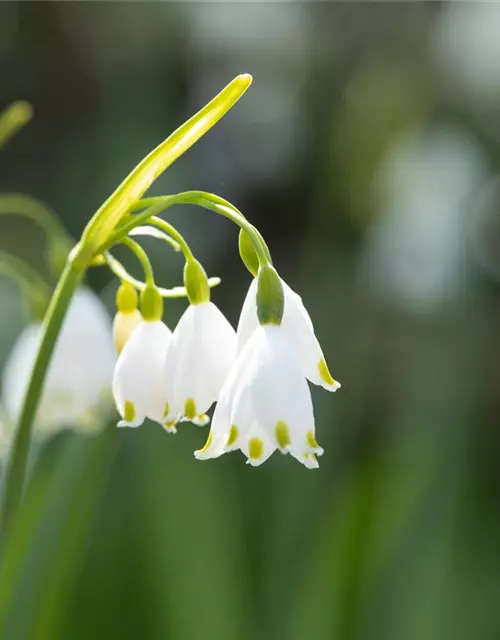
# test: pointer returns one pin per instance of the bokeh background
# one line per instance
(367, 152)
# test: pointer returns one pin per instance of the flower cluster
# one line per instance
(61, 370)
(257, 374)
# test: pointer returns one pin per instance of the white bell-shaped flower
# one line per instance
(298, 325)
(78, 383)
(200, 356)
(138, 381)
(265, 404)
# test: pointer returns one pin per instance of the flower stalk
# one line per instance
(98, 236)
(15, 473)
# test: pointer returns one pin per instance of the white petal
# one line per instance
(123, 326)
(79, 376)
(265, 403)
(307, 459)
(248, 321)
(200, 421)
(201, 354)
(258, 446)
(297, 323)
(282, 399)
(221, 421)
(138, 378)
(17, 370)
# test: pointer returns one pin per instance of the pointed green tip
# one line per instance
(245, 78)
(22, 111)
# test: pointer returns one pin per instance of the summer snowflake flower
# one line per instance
(138, 381)
(265, 404)
(200, 356)
(78, 382)
(298, 325)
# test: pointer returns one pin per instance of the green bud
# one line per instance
(151, 303)
(270, 297)
(126, 298)
(196, 282)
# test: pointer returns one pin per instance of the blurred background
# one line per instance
(367, 152)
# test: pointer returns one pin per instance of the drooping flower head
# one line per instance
(78, 384)
(265, 403)
(201, 352)
(138, 380)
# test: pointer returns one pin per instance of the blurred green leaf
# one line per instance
(48, 540)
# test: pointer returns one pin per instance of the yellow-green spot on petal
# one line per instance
(282, 434)
(255, 448)
(311, 440)
(233, 435)
(190, 409)
(166, 411)
(324, 373)
(207, 443)
(129, 411)
(170, 424)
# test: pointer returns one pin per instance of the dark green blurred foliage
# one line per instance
(397, 536)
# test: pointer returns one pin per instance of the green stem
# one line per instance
(142, 256)
(156, 205)
(172, 231)
(15, 473)
(153, 232)
(120, 272)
